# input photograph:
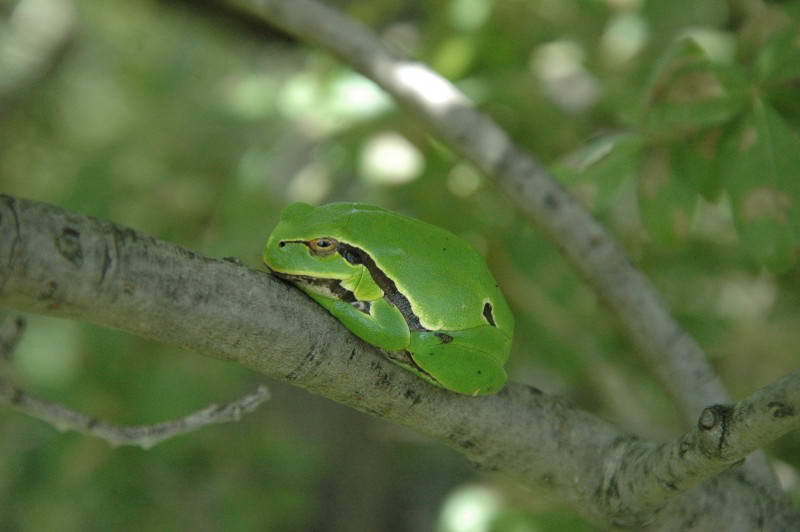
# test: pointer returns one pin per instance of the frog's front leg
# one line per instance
(469, 361)
(382, 325)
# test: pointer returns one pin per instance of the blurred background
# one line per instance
(675, 122)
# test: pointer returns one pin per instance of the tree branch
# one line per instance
(144, 436)
(59, 263)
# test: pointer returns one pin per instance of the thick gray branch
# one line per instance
(59, 263)
(723, 437)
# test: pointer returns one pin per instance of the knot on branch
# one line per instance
(714, 416)
(715, 422)
(779, 409)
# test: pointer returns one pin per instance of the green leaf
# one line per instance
(666, 202)
(762, 170)
(779, 59)
(688, 91)
(597, 169)
(696, 160)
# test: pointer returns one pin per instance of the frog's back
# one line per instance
(449, 279)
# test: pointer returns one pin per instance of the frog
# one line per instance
(418, 292)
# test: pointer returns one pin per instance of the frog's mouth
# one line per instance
(327, 287)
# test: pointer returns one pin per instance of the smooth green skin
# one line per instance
(444, 279)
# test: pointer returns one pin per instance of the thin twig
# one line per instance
(144, 436)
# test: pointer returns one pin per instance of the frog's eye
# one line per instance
(323, 246)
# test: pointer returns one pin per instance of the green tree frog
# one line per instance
(411, 288)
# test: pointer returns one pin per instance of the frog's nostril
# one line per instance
(282, 244)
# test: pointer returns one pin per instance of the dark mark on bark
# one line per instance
(551, 202)
(107, 261)
(413, 396)
(16, 396)
(780, 410)
(507, 160)
(684, 448)
(69, 245)
(49, 290)
(309, 359)
(713, 416)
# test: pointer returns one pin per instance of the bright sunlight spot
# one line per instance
(469, 509)
(438, 92)
(390, 159)
(558, 65)
(468, 15)
(311, 184)
(463, 180)
(747, 297)
(624, 37)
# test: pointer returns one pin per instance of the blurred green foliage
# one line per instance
(676, 122)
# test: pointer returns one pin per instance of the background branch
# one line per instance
(64, 418)
(59, 263)
(144, 436)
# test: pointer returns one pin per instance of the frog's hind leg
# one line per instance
(469, 361)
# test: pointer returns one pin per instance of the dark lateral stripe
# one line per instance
(355, 255)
